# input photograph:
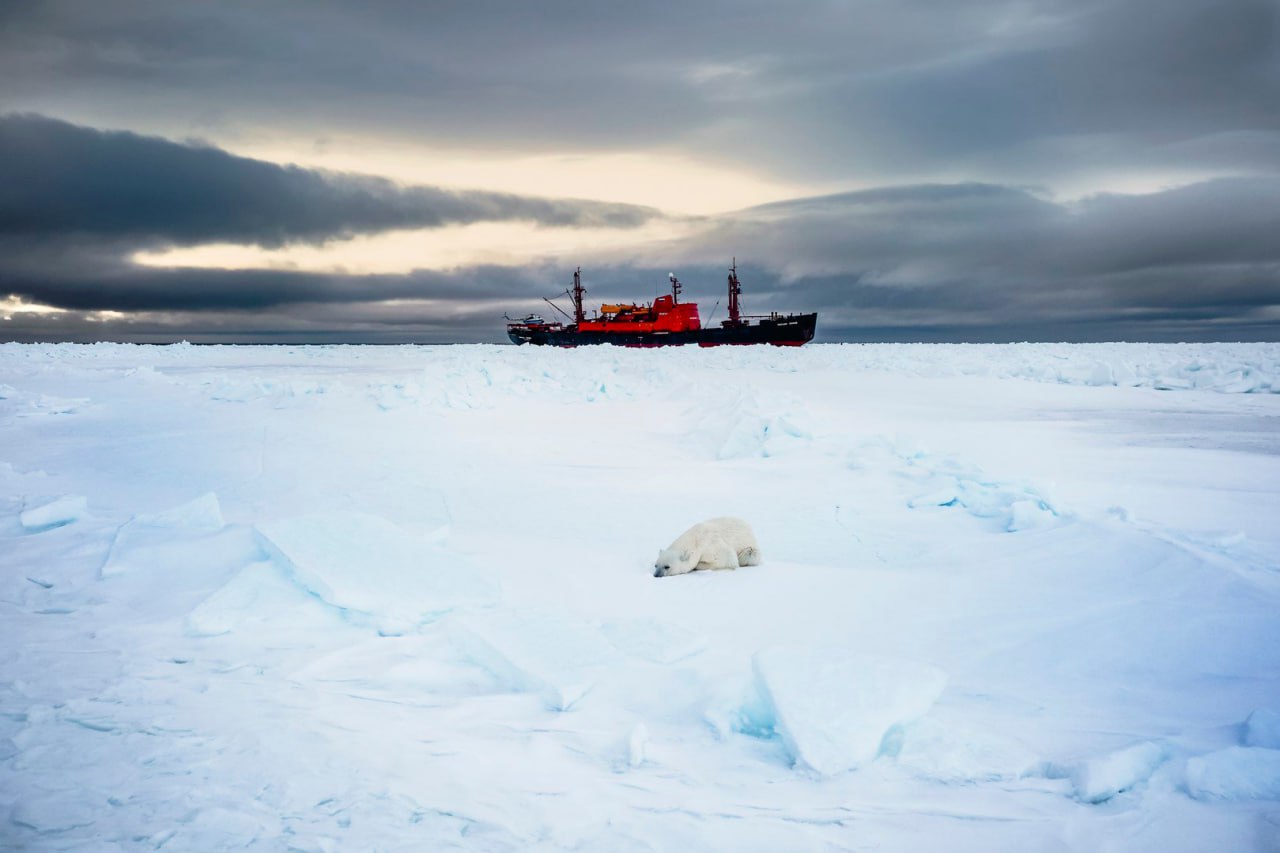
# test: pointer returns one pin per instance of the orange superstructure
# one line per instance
(664, 315)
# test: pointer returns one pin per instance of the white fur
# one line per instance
(718, 543)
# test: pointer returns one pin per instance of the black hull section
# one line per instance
(791, 330)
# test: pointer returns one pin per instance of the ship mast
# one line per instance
(675, 288)
(579, 316)
(735, 290)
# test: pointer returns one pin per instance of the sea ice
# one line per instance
(758, 435)
(948, 483)
(653, 640)
(56, 513)
(47, 404)
(256, 592)
(365, 565)
(168, 538)
(299, 725)
(638, 745)
(1028, 515)
(1235, 773)
(1098, 779)
(833, 707)
(947, 753)
(738, 705)
(558, 657)
(752, 432)
(51, 815)
(1262, 729)
(201, 515)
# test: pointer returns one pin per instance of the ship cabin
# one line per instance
(664, 315)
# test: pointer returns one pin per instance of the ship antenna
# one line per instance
(735, 290)
(676, 286)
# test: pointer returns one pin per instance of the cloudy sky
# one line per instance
(409, 171)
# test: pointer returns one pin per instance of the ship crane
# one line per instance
(735, 290)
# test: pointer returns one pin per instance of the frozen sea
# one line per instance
(1014, 597)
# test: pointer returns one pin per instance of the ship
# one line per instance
(666, 321)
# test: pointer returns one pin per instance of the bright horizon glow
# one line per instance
(394, 252)
(670, 182)
(11, 305)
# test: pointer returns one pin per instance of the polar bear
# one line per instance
(718, 543)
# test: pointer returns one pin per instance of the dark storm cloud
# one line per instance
(927, 235)
(61, 180)
(1133, 85)
(122, 286)
(1002, 90)
(496, 74)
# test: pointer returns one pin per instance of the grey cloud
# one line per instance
(61, 180)
(90, 284)
(980, 230)
(493, 74)
(1140, 86)
(1000, 258)
(998, 90)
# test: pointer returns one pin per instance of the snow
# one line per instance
(1262, 729)
(258, 592)
(544, 653)
(367, 567)
(54, 513)
(329, 598)
(955, 754)
(168, 537)
(637, 745)
(1102, 777)
(833, 707)
(1235, 773)
(651, 639)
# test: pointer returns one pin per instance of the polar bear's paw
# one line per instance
(718, 554)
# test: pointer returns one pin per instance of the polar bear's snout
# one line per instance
(667, 562)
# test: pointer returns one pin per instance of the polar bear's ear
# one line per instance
(686, 556)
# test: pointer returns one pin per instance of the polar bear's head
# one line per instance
(673, 562)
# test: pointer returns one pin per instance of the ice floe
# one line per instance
(55, 513)
(653, 640)
(558, 657)
(956, 754)
(370, 568)
(182, 538)
(833, 707)
(1262, 729)
(1102, 777)
(1235, 773)
(258, 592)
